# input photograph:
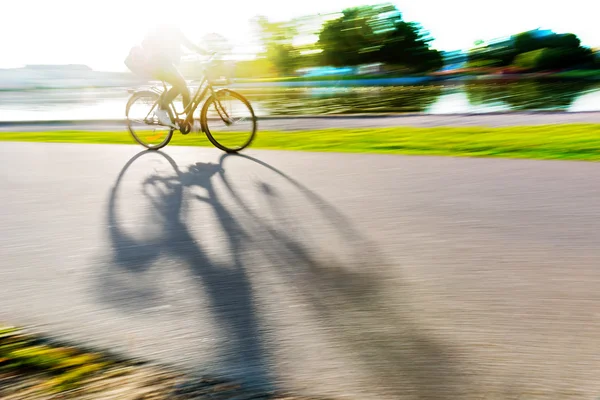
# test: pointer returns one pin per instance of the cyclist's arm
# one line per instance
(190, 45)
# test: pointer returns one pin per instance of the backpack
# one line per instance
(137, 62)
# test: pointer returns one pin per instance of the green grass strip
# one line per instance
(64, 368)
(565, 141)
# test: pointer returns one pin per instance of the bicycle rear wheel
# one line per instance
(228, 121)
(142, 122)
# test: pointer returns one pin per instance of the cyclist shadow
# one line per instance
(349, 296)
(226, 285)
(352, 294)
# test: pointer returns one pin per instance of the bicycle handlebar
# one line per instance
(209, 60)
(211, 55)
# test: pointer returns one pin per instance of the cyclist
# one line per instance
(161, 52)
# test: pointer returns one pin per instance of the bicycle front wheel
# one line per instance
(228, 121)
(143, 123)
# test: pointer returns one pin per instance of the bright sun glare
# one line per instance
(100, 34)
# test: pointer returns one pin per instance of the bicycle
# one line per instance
(214, 103)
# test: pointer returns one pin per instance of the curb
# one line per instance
(191, 384)
(322, 116)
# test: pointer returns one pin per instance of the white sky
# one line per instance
(100, 33)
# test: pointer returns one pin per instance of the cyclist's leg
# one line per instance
(172, 76)
(163, 73)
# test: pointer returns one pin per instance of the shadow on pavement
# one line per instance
(227, 286)
(353, 298)
(368, 315)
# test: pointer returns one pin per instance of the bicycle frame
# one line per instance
(197, 98)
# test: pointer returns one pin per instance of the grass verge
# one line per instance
(567, 141)
(34, 368)
(582, 73)
(63, 368)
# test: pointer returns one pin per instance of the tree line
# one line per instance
(377, 34)
(535, 51)
(357, 36)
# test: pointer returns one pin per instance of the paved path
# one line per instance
(356, 121)
(350, 276)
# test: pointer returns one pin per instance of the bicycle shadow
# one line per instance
(227, 287)
(351, 297)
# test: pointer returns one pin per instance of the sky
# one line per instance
(100, 33)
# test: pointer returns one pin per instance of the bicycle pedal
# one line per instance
(185, 127)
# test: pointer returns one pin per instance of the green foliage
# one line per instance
(259, 68)
(483, 63)
(64, 368)
(591, 74)
(500, 55)
(283, 57)
(536, 51)
(553, 58)
(556, 58)
(555, 51)
(408, 45)
(529, 60)
(277, 38)
(529, 41)
(373, 34)
(362, 35)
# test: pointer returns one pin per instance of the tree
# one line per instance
(371, 34)
(528, 60)
(491, 57)
(535, 50)
(551, 51)
(260, 67)
(498, 54)
(276, 38)
(535, 40)
(407, 45)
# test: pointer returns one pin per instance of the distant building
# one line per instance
(62, 76)
(540, 33)
(326, 71)
(65, 68)
(500, 43)
(508, 41)
(369, 69)
(454, 60)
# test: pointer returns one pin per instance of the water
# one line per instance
(69, 104)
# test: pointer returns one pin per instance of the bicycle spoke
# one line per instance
(143, 124)
(230, 121)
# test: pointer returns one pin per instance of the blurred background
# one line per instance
(64, 59)
(341, 275)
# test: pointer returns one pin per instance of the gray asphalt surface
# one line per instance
(348, 276)
(355, 121)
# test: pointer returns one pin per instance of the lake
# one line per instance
(474, 97)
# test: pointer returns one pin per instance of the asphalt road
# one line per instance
(348, 276)
(351, 121)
